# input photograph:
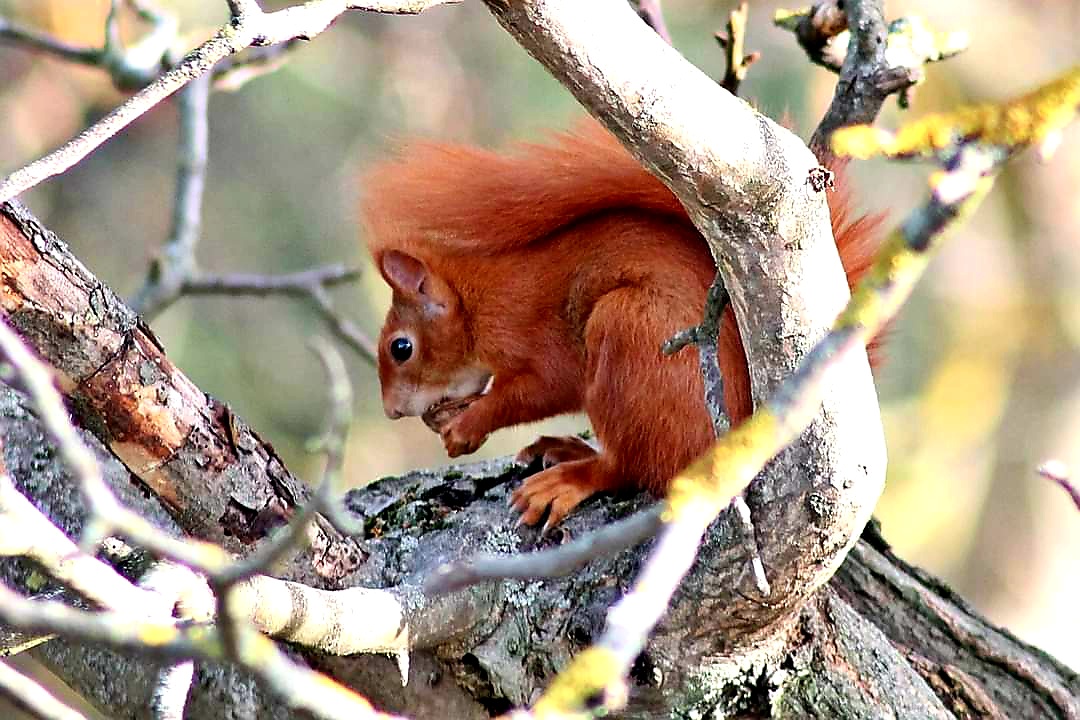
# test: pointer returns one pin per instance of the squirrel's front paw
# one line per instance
(459, 438)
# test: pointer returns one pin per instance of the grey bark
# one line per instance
(742, 179)
(870, 644)
(881, 640)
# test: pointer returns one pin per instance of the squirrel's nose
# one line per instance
(393, 413)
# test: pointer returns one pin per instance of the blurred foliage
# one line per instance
(982, 380)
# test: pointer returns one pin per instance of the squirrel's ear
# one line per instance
(405, 273)
(410, 277)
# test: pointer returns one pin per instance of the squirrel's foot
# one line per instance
(560, 489)
(551, 450)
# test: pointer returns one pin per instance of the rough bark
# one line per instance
(220, 480)
(742, 179)
(881, 640)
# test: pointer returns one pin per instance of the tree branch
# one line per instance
(169, 272)
(736, 63)
(18, 35)
(882, 59)
(312, 284)
(34, 698)
(249, 26)
(742, 181)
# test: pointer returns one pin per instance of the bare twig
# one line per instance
(874, 59)
(312, 284)
(38, 701)
(177, 262)
(129, 67)
(653, 14)
(18, 35)
(174, 273)
(547, 564)
(859, 94)
(25, 531)
(186, 597)
(297, 283)
(235, 71)
(704, 336)
(1057, 472)
(820, 31)
(249, 26)
(298, 685)
(269, 553)
(733, 43)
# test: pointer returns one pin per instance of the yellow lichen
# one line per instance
(1027, 120)
(711, 481)
(789, 19)
(591, 673)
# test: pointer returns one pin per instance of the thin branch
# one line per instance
(235, 71)
(298, 685)
(651, 12)
(547, 564)
(704, 336)
(858, 97)
(35, 699)
(177, 262)
(737, 62)
(174, 271)
(1058, 473)
(297, 283)
(882, 59)
(129, 67)
(25, 531)
(17, 35)
(280, 545)
(249, 26)
(63, 158)
(312, 284)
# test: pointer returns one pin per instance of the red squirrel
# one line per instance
(544, 281)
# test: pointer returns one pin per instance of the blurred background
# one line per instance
(982, 379)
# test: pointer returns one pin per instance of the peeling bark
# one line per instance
(220, 480)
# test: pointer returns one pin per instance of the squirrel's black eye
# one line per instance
(401, 349)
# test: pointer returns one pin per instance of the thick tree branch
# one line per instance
(224, 483)
(743, 183)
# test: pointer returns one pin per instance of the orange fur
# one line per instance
(556, 272)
